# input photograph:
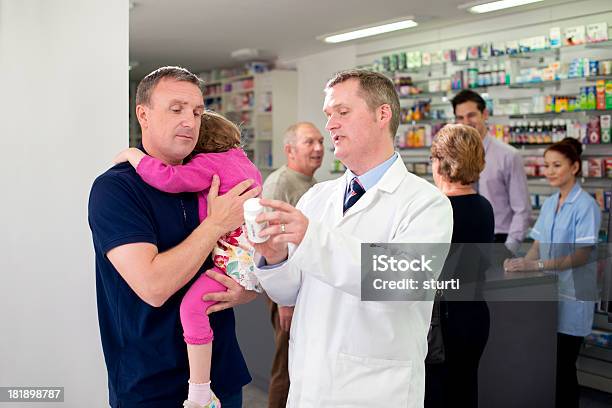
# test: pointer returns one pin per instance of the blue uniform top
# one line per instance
(145, 354)
(560, 233)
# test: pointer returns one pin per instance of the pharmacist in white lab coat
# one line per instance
(345, 352)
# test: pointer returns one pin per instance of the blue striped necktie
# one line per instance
(356, 190)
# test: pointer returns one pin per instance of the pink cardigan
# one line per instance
(232, 167)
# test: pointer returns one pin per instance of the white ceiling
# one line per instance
(201, 34)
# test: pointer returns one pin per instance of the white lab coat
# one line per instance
(344, 352)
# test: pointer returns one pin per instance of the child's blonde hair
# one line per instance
(217, 134)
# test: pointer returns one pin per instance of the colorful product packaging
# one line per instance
(574, 35)
(485, 50)
(555, 37)
(609, 94)
(591, 98)
(437, 57)
(597, 32)
(600, 89)
(604, 125)
(403, 64)
(461, 54)
(512, 47)
(426, 58)
(394, 63)
(595, 167)
(413, 59)
(537, 43)
(498, 48)
(608, 166)
(600, 198)
(449, 55)
(593, 130)
(524, 45)
(583, 98)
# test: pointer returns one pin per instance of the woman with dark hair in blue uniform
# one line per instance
(564, 237)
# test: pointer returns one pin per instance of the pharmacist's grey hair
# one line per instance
(290, 137)
(148, 83)
(375, 88)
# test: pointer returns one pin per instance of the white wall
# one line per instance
(313, 73)
(64, 104)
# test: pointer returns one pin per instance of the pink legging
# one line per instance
(196, 326)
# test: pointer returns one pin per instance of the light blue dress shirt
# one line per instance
(560, 233)
(371, 177)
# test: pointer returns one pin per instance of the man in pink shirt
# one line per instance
(503, 181)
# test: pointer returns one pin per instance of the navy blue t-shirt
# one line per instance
(145, 353)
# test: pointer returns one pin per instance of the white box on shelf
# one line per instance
(574, 35)
(596, 32)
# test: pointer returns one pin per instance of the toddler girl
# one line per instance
(216, 152)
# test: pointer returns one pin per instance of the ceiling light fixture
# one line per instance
(478, 7)
(368, 31)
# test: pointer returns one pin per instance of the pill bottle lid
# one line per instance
(252, 205)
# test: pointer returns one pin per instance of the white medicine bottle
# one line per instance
(252, 209)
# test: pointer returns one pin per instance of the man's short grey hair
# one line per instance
(290, 137)
(148, 83)
(375, 88)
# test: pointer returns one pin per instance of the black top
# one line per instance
(473, 219)
(143, 346)
(467, 260)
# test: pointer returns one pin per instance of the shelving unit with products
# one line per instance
(263, 104)
(538, 91)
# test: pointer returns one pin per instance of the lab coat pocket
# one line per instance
(367, 381)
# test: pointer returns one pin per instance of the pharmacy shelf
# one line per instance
(518, 55)
(532, 149)
(539, 84)
(588, 183)
(543, 84)
(599, 45)
(237, 78)
(553, 115)
(424, 95)
(240, 91)
(424, 122)
(422, 152)
(239, 111)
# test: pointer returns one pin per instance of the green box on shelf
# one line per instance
(609, 94)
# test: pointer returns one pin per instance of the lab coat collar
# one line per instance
(388, 183)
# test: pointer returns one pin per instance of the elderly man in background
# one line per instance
(304, 150)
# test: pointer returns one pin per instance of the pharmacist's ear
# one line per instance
(384, 114)
(485, 114)
(142, 116)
